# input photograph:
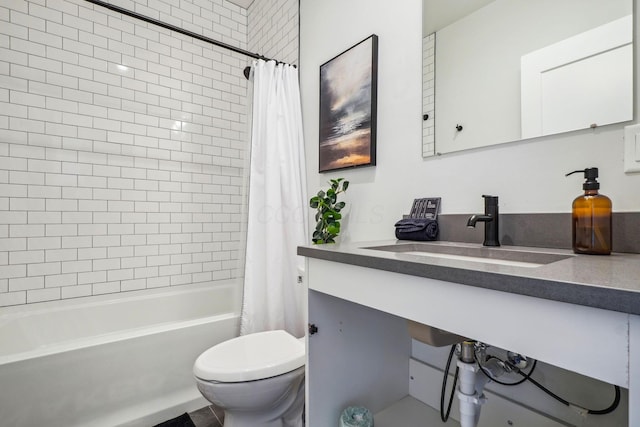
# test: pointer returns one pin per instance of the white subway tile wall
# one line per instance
(274, 29)
(122, 144)
(428, 94)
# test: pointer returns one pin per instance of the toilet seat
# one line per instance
(251, 357)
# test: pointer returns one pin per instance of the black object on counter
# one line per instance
(421, 229)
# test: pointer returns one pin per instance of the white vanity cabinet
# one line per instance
(360, 353)
(358, 357)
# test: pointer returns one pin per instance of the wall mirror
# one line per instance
(497, 71)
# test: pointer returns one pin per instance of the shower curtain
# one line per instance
(277, 208)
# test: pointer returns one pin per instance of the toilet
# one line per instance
(257, 379)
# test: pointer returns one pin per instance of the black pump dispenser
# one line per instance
(590, 176)
(591, 217)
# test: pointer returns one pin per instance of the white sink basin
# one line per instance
(471, 253)
(475, 259)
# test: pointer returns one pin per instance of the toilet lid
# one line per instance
(251, 357)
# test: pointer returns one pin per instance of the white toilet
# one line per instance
(258, 379)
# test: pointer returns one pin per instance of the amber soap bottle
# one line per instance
(591, 217)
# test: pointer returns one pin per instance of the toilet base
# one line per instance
(291, 418)
(246, 420)
(243, 420)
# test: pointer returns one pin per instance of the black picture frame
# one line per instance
(348, 107)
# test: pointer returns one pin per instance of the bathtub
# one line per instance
(118, 360)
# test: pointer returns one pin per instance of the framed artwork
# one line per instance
(348, 106)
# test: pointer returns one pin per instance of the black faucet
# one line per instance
(490, 219)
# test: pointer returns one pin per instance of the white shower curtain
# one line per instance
(277, 211)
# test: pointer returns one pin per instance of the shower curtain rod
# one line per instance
(185, 32)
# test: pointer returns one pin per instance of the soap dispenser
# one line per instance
(591, 217)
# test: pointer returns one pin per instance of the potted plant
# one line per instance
(328, 214)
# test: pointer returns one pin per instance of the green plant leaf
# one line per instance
(328, 214)
(331, 214)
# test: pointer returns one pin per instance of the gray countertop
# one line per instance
(608, 282)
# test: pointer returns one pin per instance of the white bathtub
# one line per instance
(110, 361)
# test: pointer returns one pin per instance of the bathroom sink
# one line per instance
(472, 253)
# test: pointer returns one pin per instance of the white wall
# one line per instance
(121, 147)
(527, 176)
(330, 27)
